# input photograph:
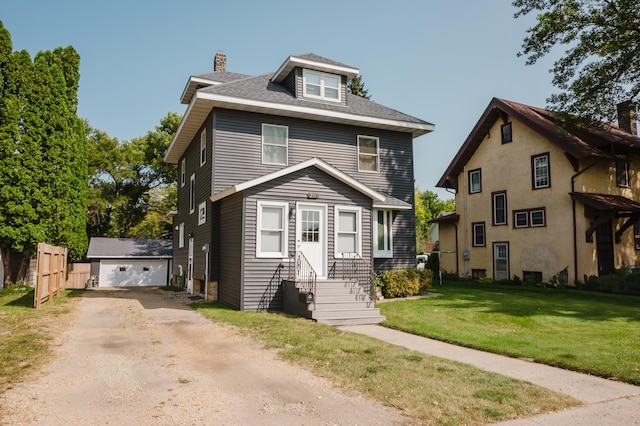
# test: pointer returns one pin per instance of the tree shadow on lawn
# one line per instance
(522, 302)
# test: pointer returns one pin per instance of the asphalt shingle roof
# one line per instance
(102, 247)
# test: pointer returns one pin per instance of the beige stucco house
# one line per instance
(534, 200)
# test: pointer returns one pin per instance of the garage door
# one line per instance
(133, 273)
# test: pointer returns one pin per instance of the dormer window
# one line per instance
(321, 85)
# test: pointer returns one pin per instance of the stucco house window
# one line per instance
(475, 181)
(622, 174)
(506, 134)
(479, 236)
(541, 175)
(499, 205)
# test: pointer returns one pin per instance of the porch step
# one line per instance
(343, 304)
(353, 321)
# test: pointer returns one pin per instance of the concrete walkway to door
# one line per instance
(607, 402)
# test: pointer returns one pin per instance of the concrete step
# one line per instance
(349, 304)
(341, 297)
(353, 321)
(345, 313)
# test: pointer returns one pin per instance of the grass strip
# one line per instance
(584, 331)
(26, 334)
(429, 390)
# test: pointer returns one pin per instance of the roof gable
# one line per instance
(581, 143)
(376, 196)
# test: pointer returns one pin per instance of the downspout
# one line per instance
(575, 226)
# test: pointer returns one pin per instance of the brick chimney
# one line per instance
(627, 117)
(220, 62)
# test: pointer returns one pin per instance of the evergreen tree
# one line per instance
(42, 159)
(356, 87)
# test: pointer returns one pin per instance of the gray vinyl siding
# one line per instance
(230, 251)
(239, 151)
(404, 243)
(294, 188)
(201, 233)
(239, 158)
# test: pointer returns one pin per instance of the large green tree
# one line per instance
(131, 188)
(42, 159)
(601, 65)
(427, 207)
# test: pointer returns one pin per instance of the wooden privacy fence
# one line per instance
(51, 273)
(78, 275)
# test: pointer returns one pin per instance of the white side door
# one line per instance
(190, 268)
(311, 235)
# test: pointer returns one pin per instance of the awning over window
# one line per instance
(604, 207)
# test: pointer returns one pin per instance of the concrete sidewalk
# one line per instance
(606, 402)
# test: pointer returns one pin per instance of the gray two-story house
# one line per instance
(284, 164)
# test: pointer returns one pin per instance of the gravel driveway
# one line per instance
(140, 356)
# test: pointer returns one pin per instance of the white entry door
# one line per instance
(311, 235)
(190, 268)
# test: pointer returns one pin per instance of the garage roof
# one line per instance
(127, 248)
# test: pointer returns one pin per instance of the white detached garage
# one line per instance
(130, 262)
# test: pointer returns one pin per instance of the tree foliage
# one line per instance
(131, 189)
(356, 87)
(43, 172)
(601, 66)
(427, 207)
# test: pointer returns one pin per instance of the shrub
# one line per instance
(404, 282)
(623, 281)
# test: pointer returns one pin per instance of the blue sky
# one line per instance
(438, 60)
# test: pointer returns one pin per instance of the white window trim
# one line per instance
(544, 218)
(388, 230)
(377, 154)
(286, 145)
(181, 235)
(202, 213)
(203, 146)
(322, 95)
(183, 172)
(525, 214)
(474, 242)
(535, 172)
(495, 210)
(471, 174)
(358, 210)
(192, 193)
(284, 254)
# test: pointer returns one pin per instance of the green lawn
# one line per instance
(429, 390)
(590, 332)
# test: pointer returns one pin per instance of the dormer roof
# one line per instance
(604, 142)
(313, 62)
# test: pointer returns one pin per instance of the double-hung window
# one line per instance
(622, 173)
(530, 218)
(321, 85)
(271, 238)
(203, 147)
(382, 233)
(540, 173)
(368, 154)
(499, 206)
(202, 213)
(192, 193)
(275, 142)
(479, 236)
(475, 181)
(348, 231)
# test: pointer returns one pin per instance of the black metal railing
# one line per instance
(303, 274)
(354, 267)
(272, 289)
